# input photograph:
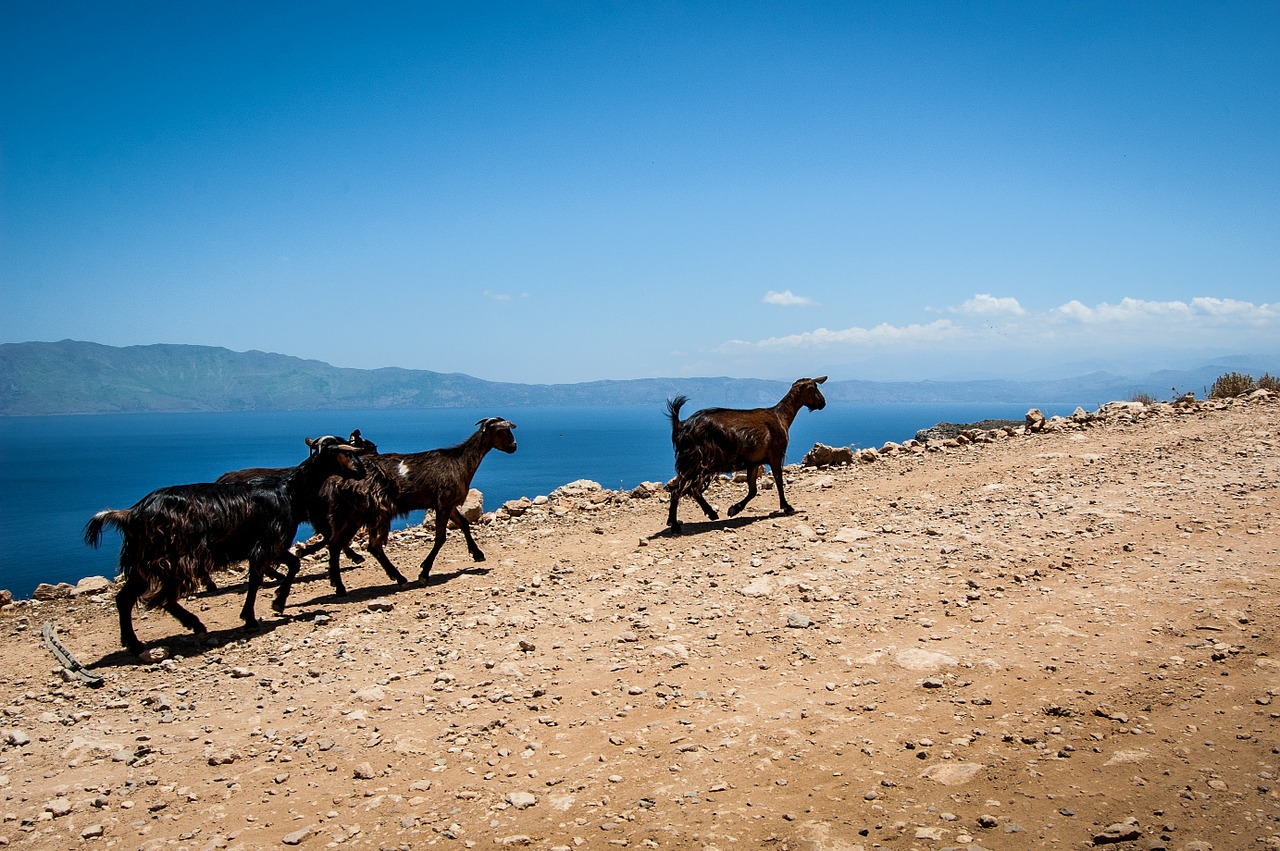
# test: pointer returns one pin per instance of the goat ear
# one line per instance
(819, 380)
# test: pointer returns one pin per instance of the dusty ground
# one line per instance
(1053, 640)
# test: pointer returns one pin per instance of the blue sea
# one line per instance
(59, 471)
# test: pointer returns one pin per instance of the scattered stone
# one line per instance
(298, 836)
(44, 591)
(798, 621)
(521, 800)
(822, 455)
(364, 771)
(1125, 831)
(58, 807)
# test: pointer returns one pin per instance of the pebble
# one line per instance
(297, 837)
(797, 621)
(1125, 831)
(521, 800)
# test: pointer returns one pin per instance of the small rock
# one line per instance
(17, 738)
(380, 605)
(364, 771)
(1125, 831)
(521, 800)
(93, 831)
(45, 591)
(797, 621)
(298, 836)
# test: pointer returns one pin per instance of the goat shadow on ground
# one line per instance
(189, 645)
(698, 527)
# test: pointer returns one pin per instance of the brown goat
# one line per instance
(725, 440)
(398, 483)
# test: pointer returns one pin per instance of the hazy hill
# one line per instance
(71, 377)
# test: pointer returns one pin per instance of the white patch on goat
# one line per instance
(403, 470)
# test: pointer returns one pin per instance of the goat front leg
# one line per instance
(286, 585)
(776, 469)
(752, 473)
(472, 546)
(442, 525)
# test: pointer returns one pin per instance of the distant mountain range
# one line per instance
(71, 377)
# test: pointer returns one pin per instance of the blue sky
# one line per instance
(549, 192)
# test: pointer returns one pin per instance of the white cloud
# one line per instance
(1073, 329)
(984, 304)
(881, 335)
(1203, 309)
(786, 298)
(492, 296)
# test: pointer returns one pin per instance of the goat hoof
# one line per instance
(356, 558)
(339, 590)
(477, 556)
(733, 512)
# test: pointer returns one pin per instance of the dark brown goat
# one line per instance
(175, 537)
(317, 511)
(725, 440)
(436, 481)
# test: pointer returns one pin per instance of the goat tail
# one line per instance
(110, 517)
(673, 411)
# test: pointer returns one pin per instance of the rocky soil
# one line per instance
(1065, 638)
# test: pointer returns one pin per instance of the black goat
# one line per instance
(175, 537)
(725, 440)
(317, 510)
(436, 480)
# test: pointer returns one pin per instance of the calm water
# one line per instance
(58, 471)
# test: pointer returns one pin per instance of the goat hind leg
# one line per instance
(442, 524)
(126, 599)
(752, 473)
(377, 538)
(185, 617)
(702, 502)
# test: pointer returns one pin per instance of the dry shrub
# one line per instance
(1231, 384)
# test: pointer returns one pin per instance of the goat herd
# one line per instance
(175, 538)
